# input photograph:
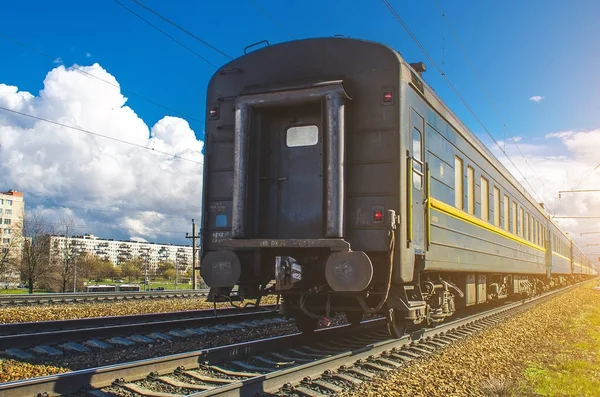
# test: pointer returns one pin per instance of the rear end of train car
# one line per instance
(330, 173)
(303, 180)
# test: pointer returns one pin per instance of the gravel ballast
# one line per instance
(492, 362)
(66, 311)
(46, 365)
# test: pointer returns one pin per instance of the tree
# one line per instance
(65, 254)
(166, 269)
(35, 265)
(132, 269)
(92, 267)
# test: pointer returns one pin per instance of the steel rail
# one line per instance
(270, 382)
(95, 378)
(16, 299)
(273, 381)
(41, 326)
(22, 335)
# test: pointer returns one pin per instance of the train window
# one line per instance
(470, 190)
(530, 228)
(458, 182)
(417, 160)
(305, 135)
(526, 228)
(416, 144)
(521, 219)
(514, 219)
(544, 235)
(506, 213)
(496, 206)
(485, 196)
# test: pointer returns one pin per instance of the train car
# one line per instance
(128, 287)
(332, 168)
(101, 288)
(560, 252)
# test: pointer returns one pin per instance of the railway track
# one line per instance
(37, 299)
(315, 365)
(53, 337)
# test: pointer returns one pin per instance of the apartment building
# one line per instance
(119, 251)
(12, 208)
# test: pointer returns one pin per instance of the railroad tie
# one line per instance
(146, 392)
(347, 378)
(178, 383)
(388, 362)
(357, 371)
(305, 391)
(208, 379)
(328, 386)
(234, 373)
(374, 366)
(438, 342)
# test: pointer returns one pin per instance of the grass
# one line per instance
(154, 284)
(169, 286)
(21, 291)
(574, 369)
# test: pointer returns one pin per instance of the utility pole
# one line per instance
(193, 237)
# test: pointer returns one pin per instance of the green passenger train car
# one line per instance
(336, 177)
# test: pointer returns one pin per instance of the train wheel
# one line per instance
(354, 318)
(396, 323)
(305, 324)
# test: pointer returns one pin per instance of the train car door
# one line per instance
(418, 187)
(294, 208)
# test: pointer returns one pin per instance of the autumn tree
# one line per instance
(166, 269)
(35, 264)
(132, 269)
(92, 267)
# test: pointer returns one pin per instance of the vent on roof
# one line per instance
(417, 82)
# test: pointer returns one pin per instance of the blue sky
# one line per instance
(520, 49)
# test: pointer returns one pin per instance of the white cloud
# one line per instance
(108, 188)
(536, 98)
(562, 161)
(88, 55)
(58, 60)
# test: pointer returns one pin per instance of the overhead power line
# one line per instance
(165, 33)
(456, 92)
(69, 205)
(99, 78)
(99, 135)
(587, 176)
(181, 28)
(281, 26)
(489, 98)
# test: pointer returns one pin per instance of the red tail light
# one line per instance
(378, 215)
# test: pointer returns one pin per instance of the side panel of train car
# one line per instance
(333, 169)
